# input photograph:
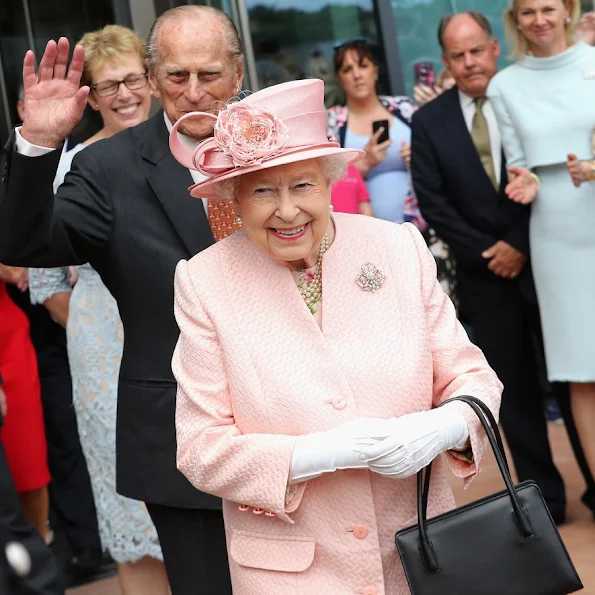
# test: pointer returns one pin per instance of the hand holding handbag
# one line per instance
(504, 544)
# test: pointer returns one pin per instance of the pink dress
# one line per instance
(254, 370)
(23, 435)
(349, 192)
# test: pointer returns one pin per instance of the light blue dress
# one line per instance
(546, 109)
(95, 339)
(388, 183)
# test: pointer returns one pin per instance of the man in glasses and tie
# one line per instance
(125, 208)
(459, 176)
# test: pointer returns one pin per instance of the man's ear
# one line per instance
(240, 72)
(445, 61)
(153, 82)
(496, 46)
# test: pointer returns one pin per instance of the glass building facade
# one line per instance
(283, 39)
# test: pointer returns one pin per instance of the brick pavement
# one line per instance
(578, 533)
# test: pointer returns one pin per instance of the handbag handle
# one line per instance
(494, 425)
(427, 551)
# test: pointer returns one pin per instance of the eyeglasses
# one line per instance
(355, 40)
(132, 82)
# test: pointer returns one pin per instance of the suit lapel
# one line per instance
(456, 122)
(170, 181)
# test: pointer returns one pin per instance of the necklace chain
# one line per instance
(312, 290)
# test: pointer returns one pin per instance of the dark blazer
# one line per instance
(125, 208)
(459, 201)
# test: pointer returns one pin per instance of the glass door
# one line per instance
(417, 25)
(294, 40)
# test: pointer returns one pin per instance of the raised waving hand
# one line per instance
(54, 100)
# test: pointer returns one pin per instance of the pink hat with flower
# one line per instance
(278, 125)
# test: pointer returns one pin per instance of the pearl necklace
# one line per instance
(312, 291)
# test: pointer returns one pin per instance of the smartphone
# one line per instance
(376, 124)
(424, 74)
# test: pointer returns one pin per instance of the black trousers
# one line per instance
(505, 327)
(194, 549)
(71, 497)
(45, 578)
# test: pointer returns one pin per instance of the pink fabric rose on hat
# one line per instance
(249, 135)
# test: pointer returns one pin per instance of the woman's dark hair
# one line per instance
(361, 47)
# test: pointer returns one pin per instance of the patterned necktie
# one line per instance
(480, 133)
(222, 218)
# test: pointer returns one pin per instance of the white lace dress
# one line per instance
(95, 339)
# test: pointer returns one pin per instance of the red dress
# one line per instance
(23, 433)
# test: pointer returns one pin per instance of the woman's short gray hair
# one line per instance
(334, 167)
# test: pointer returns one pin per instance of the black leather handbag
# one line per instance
(505, 544)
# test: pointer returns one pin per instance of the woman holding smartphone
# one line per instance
(381, 125)
(376, 123)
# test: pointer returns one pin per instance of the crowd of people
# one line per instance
(229, 331)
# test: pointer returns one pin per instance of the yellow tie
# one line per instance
(480, 133)
(222, 218)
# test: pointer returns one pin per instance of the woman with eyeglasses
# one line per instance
(385, 168)
(115, 71)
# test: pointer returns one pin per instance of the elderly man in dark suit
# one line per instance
(459, 176)
(125, 208)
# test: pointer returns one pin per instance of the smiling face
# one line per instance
(286, 211)
(358, 75)
(125, 108)
(470, 55)
(542, 22)
(196, 72)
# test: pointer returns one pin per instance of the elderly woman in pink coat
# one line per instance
(313, 354)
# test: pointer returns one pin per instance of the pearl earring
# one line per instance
(331, 207)
(568, 20)
(239, 220)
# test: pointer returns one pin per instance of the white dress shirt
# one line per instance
(468, 107)
(24, 147)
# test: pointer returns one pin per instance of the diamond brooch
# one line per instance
(370, 278)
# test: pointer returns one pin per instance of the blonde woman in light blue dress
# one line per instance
(115, 71)
(545, 106)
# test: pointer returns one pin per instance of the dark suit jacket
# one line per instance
(459, 201)
(125, 208)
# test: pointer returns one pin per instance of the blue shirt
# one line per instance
(388, 182)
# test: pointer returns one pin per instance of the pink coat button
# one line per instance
(258, 510)
(339, 403)
(360, 531)
(243, 507)
(269, 513)
(370, 591)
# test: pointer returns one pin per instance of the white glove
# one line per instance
(414, 442)
(323, 452)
